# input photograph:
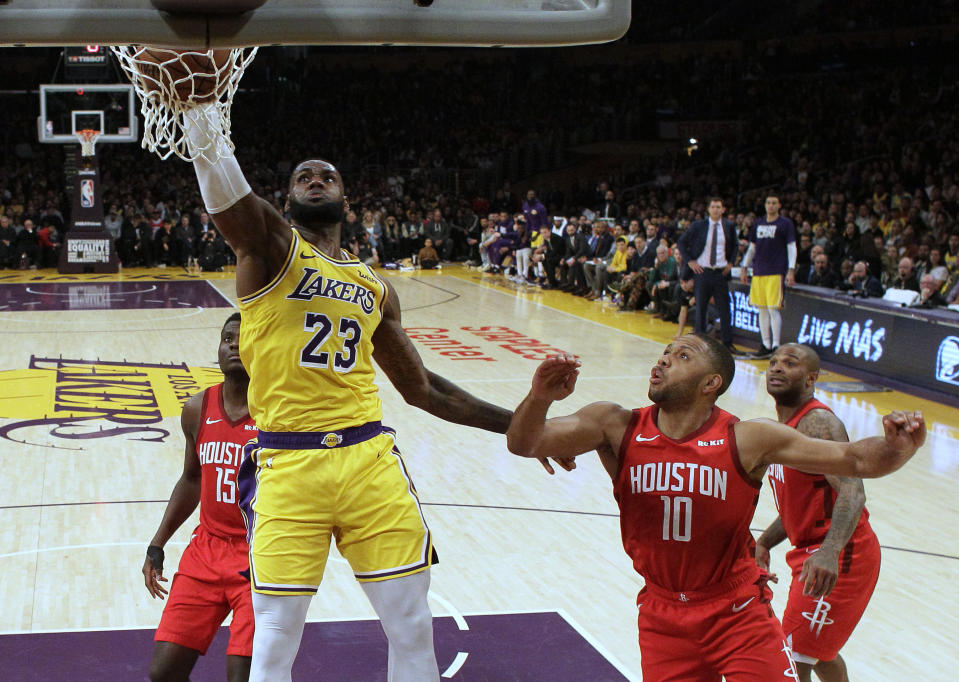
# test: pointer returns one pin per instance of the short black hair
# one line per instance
(235, 317)
(721, 360)
(809, 356)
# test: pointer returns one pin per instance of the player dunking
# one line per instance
(772, 251)
(208, 583)
(687, 477)
(314, 319)
(835, 556)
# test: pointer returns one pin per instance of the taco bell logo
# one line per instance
(947, 361)
(86, 193)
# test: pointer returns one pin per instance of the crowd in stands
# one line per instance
(865, 160)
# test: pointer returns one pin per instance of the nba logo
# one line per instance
(947, 361)
(86, 193)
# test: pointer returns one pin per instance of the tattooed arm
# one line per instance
(396, 355)
(821, 570)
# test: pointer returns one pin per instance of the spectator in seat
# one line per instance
(574, 256)
(861, 283)
(522, 251)
(27, 252)
(907, 276)
(549, 254)
(600, 246)
(489, 237)
(438, 230)
(804, 257)
(113, 223)
(365, 251)
(929, 296)
(414, 232)
(392, 239)
(951, 255)
(890, 265)
(664, 273)
(936, 266)
(821, 274)
(8, 242)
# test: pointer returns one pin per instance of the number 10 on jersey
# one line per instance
(677, 518)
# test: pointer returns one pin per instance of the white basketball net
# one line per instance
(88, 140)
(169, 84)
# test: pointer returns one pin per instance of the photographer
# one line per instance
(212, 250)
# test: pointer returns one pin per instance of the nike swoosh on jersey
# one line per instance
(303, 255)
(212, 421)
(640, 439)
(737, 609)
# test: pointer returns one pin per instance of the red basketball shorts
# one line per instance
(734, 634)
(819, 628)
(205, 588)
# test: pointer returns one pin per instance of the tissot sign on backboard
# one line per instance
(898, 343)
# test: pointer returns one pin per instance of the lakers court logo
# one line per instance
(68, 403)
(819, 616)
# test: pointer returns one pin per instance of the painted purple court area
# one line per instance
(500, 648)
(110, 296)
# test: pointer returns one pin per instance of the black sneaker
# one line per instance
(762, 353)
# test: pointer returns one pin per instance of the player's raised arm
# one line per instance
(183, 500)
(762, 442)
(257, 233)
(530, 434)
(396, 355)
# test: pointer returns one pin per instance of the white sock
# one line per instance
(406, 619)
(764, 326)
(276, 638)
(776, 320)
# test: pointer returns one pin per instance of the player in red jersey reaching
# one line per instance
(835, 552)
(687, 476)
(208, 583)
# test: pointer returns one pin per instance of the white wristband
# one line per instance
(221, 181)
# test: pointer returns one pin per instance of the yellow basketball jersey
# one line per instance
(306, 340)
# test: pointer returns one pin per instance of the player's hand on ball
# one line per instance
(555, 378)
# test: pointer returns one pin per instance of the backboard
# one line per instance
(65, 109)
(209, 23)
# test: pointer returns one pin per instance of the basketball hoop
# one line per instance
(176, 86)
(88, 140)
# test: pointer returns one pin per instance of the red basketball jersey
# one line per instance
(805, 501)
(685, 505)
(219, 446)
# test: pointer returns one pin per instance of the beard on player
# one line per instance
(665, 391)
(312, 213)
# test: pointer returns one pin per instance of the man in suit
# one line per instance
(709, 248)
(601, 243)
(571, 269)
(550, 253)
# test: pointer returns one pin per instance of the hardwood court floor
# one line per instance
(88, 466)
